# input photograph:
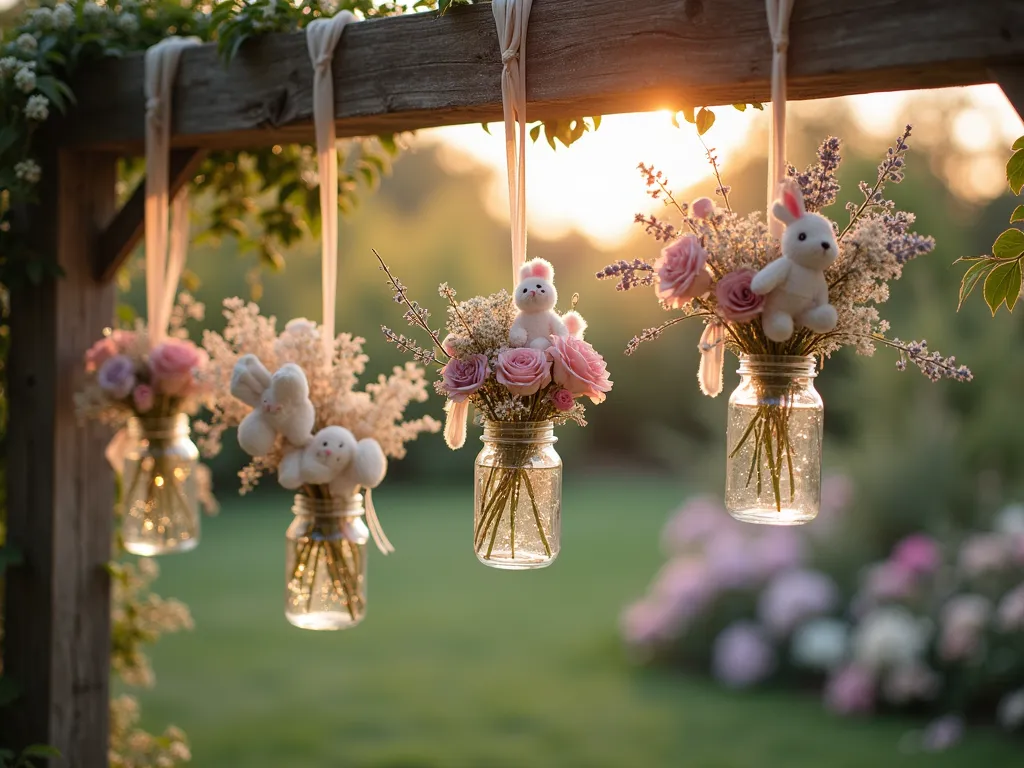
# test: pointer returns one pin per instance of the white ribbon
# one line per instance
(779, 12)
(376, 529)
(712, 358)
(165, 257)
(322, 36)
(512, 18)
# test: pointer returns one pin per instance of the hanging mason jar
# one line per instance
(325, 574)
(517, 496)
(161, 509)
(773, 469)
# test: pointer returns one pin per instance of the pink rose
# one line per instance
(142, 396)
(172, 363)
(116, 376)
(563, 399)
(463, 377)
(524, 371)
(99, 353)
(918, 554)
(579, 368)
(680, 272)
(123, 339)
(737, 302)
(702, 207)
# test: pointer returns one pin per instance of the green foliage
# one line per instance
(1001, 271)
(8, 759)
(704, 118)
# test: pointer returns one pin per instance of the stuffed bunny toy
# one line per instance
(280, 403)
(537, 320)
(334, 458)
(794, 287)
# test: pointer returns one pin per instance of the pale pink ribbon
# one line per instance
(512, 18)
(712, 358)
(779, 12)
(455, 423)
(165, 255)
(376, 529)
(322, 36)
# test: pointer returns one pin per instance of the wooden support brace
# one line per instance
(59, 488)
(117, 241)
(1010, 78)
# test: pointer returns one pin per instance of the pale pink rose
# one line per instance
(963, 622)
(563, 399)
(850, 691)
(683, 584)
(742, 656)
(523, 371)
(889, 580)
(681, 272)
(702, 207)
(579, 368)
(984, 553)
(123, 339)
(99, 353)
(918, 554)
(464, 376)
(116, 376)
(737, 303)
(142, 396)
(172, 364)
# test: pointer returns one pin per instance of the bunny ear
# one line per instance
(540, 268)
(792, 198)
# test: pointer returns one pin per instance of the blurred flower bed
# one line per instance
(936, 628)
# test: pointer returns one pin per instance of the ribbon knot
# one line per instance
(510, 55)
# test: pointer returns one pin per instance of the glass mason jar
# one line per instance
(773, 468)
(325, 571)
(161, 500)
(517, 496)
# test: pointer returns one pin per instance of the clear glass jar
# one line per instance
(325, 571)
(773, 468)
(517, 496)
(161, 499)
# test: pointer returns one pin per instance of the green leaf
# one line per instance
(1018, 214)
(9, 691)
(40, 750)
(486, 127)
(1015, 171)
(597, 121)
(740, 107)
(1009, 245)
(535, 132)
(757, 105)
(688, 114)
(705, 119)
(1018, 144)
(1014, 286)
(1003, 281)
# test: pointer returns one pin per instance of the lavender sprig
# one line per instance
(657, 186)
(404, 343)
(890, 169)
(656, 227)
(649, 334)
(818, 182)
(415, 315)
(932, 364)
(629, 274)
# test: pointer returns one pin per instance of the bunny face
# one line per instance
(333, 447)
(536, 290)
(809, 239)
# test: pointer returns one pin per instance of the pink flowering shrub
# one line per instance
(936, 626)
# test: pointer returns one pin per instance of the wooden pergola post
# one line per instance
(59, 486)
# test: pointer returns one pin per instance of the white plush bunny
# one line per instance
(537, 320)
(280, 402)
(334, 458)
(794, 286)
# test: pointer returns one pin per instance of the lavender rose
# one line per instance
(680, 272)
(579, 368)
(116, 376)
(463, 377)
(737, 302)
(524, 371)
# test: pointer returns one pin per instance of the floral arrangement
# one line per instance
(807, 294)
(516, 361)
(935, 626)
(146, 391)
(300, 415)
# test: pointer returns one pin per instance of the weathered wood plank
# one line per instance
(598, 57)
(117, 241)
(1011, 79)
(59, 487)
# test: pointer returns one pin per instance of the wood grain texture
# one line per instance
(1011, 79)
(118, 239)
(59, 486)
(598, 57)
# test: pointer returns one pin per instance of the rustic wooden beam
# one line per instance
(59, 487)
(597, 57)
(1010, 78)
(117, 241)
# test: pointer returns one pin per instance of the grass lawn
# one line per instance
(461, 665)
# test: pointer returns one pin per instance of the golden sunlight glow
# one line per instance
(594, 187)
